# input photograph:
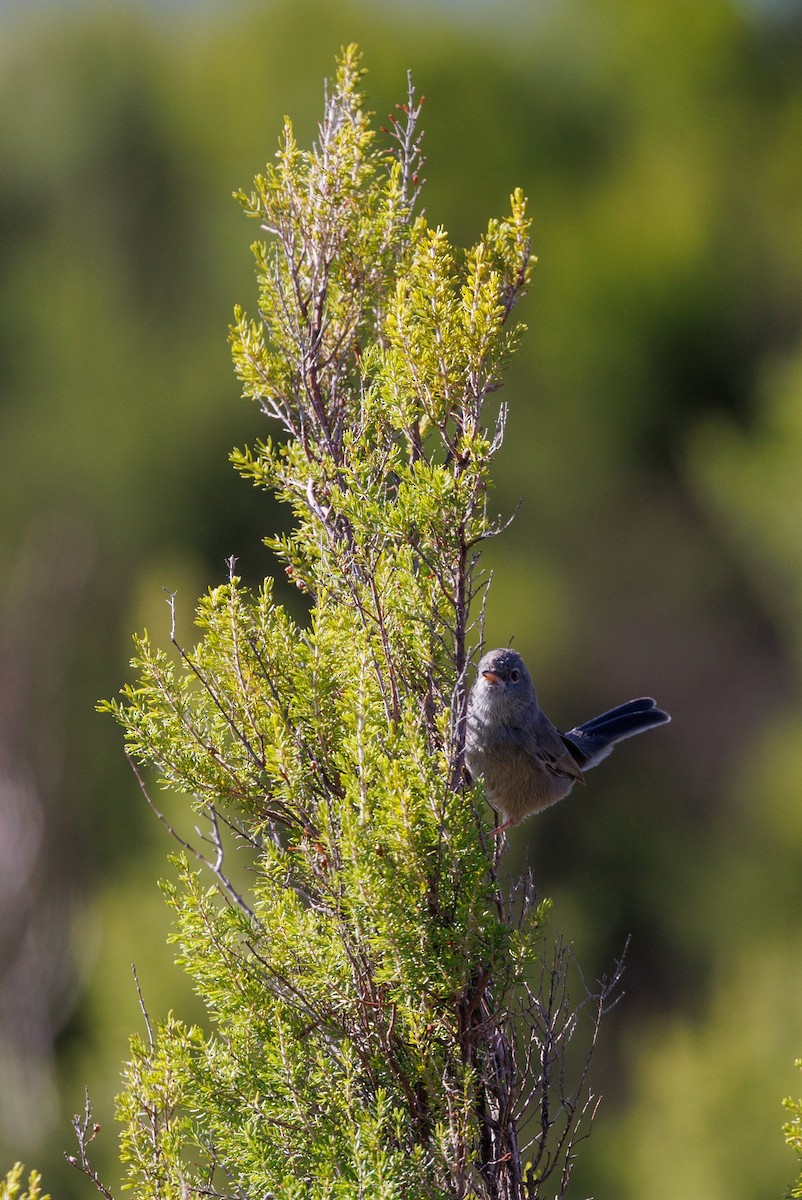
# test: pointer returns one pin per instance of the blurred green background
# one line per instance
(655, 437)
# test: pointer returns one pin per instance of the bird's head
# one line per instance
(503, 682)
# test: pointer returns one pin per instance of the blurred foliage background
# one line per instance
(655, 437)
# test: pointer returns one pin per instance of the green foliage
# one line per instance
(368, 983)
(11, 1185)
(793, 1135)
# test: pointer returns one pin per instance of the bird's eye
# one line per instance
(515, 674)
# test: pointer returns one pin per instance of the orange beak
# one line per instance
(491, 677)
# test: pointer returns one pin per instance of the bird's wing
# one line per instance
(550, 753)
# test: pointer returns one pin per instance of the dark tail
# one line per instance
(593, 741)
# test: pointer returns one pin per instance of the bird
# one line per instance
(526, 764)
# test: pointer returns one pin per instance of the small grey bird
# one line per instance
(525, 762)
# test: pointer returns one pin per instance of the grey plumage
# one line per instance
(525, 762)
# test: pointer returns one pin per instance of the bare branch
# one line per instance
(216, 865)
(142, 1007)
(86, 1130)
